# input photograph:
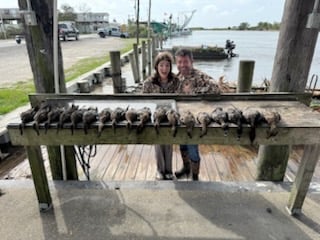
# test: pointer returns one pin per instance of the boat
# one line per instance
(206, 52)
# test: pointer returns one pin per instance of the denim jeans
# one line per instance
(193, 152)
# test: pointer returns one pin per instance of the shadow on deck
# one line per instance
(137, 162)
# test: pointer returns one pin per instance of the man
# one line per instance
(192, 81)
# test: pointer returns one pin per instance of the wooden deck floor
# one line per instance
(137, 162)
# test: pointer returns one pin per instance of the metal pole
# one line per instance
(56, 78)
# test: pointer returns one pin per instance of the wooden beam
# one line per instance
(215, 135)
(39, 177)
(303, 178)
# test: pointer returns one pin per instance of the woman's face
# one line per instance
(164, 69)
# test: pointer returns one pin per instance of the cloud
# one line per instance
(260, 9)
(209, 8)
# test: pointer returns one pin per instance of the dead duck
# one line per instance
(235, 116)
(117, 115)
(204, 120)
(26, 117)
(188, 119)
(41, 116)
(144, 116)
(75, 118)
(89, 116)
(159, 116)
(252, 117)
(272, 119)
(220, 117)
(65, 116)
(104, 116)
(131, 116)
(173, 118)
(53, 116)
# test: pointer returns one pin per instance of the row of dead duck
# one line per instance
(48, 114)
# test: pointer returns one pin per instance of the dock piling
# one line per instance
(246, 68)
(116, 71)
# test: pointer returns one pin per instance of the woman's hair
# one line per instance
(163, 56)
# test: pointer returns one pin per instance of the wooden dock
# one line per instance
(137, 162)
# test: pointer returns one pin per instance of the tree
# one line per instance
(244, 26)
(67, 13)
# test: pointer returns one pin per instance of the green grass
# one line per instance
(17, 94)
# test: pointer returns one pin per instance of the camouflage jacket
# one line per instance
(197, 82)
(153, 86)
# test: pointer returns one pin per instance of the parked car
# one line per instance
(67, 29)
(112, 31)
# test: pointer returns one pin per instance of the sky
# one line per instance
(209, 13)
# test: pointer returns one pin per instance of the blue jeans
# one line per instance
(193, 152)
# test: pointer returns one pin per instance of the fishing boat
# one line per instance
(177, 30)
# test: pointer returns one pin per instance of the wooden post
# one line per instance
(116, 71)
(39, 177)
(274, 169)
(291, 67)
(153, 51)
(161, 42)
(246, 68)
(144, 60)
(133, 67)
(136, 56)
(149, 58)
(55, 162)
(303, 178)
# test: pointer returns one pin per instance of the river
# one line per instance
(259, 46)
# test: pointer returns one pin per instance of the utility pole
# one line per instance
(137, 20)
(291, 67)
(38, 26)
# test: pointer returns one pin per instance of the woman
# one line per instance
(162, 81)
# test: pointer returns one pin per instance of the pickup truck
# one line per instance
(67, 30)
(112, 31)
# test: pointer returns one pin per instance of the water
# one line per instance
(259, 46)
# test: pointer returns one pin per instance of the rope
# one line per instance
(83, 154)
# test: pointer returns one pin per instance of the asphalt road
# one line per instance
(14, 60)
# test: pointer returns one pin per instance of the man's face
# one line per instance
(184, 64)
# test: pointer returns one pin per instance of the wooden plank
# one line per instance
(146, 159)
(96, 161)
(304, 175)
(124, 163)
(177, 160)
(286, 135)
(264, 96)
(204, 174)
(151, 162)
(39, 177)
(222, 166)
(134, 162)
(114, 163)
(106, 161)
(212, 166)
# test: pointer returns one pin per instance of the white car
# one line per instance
(112, 31)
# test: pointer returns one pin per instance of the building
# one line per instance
(89, 22)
